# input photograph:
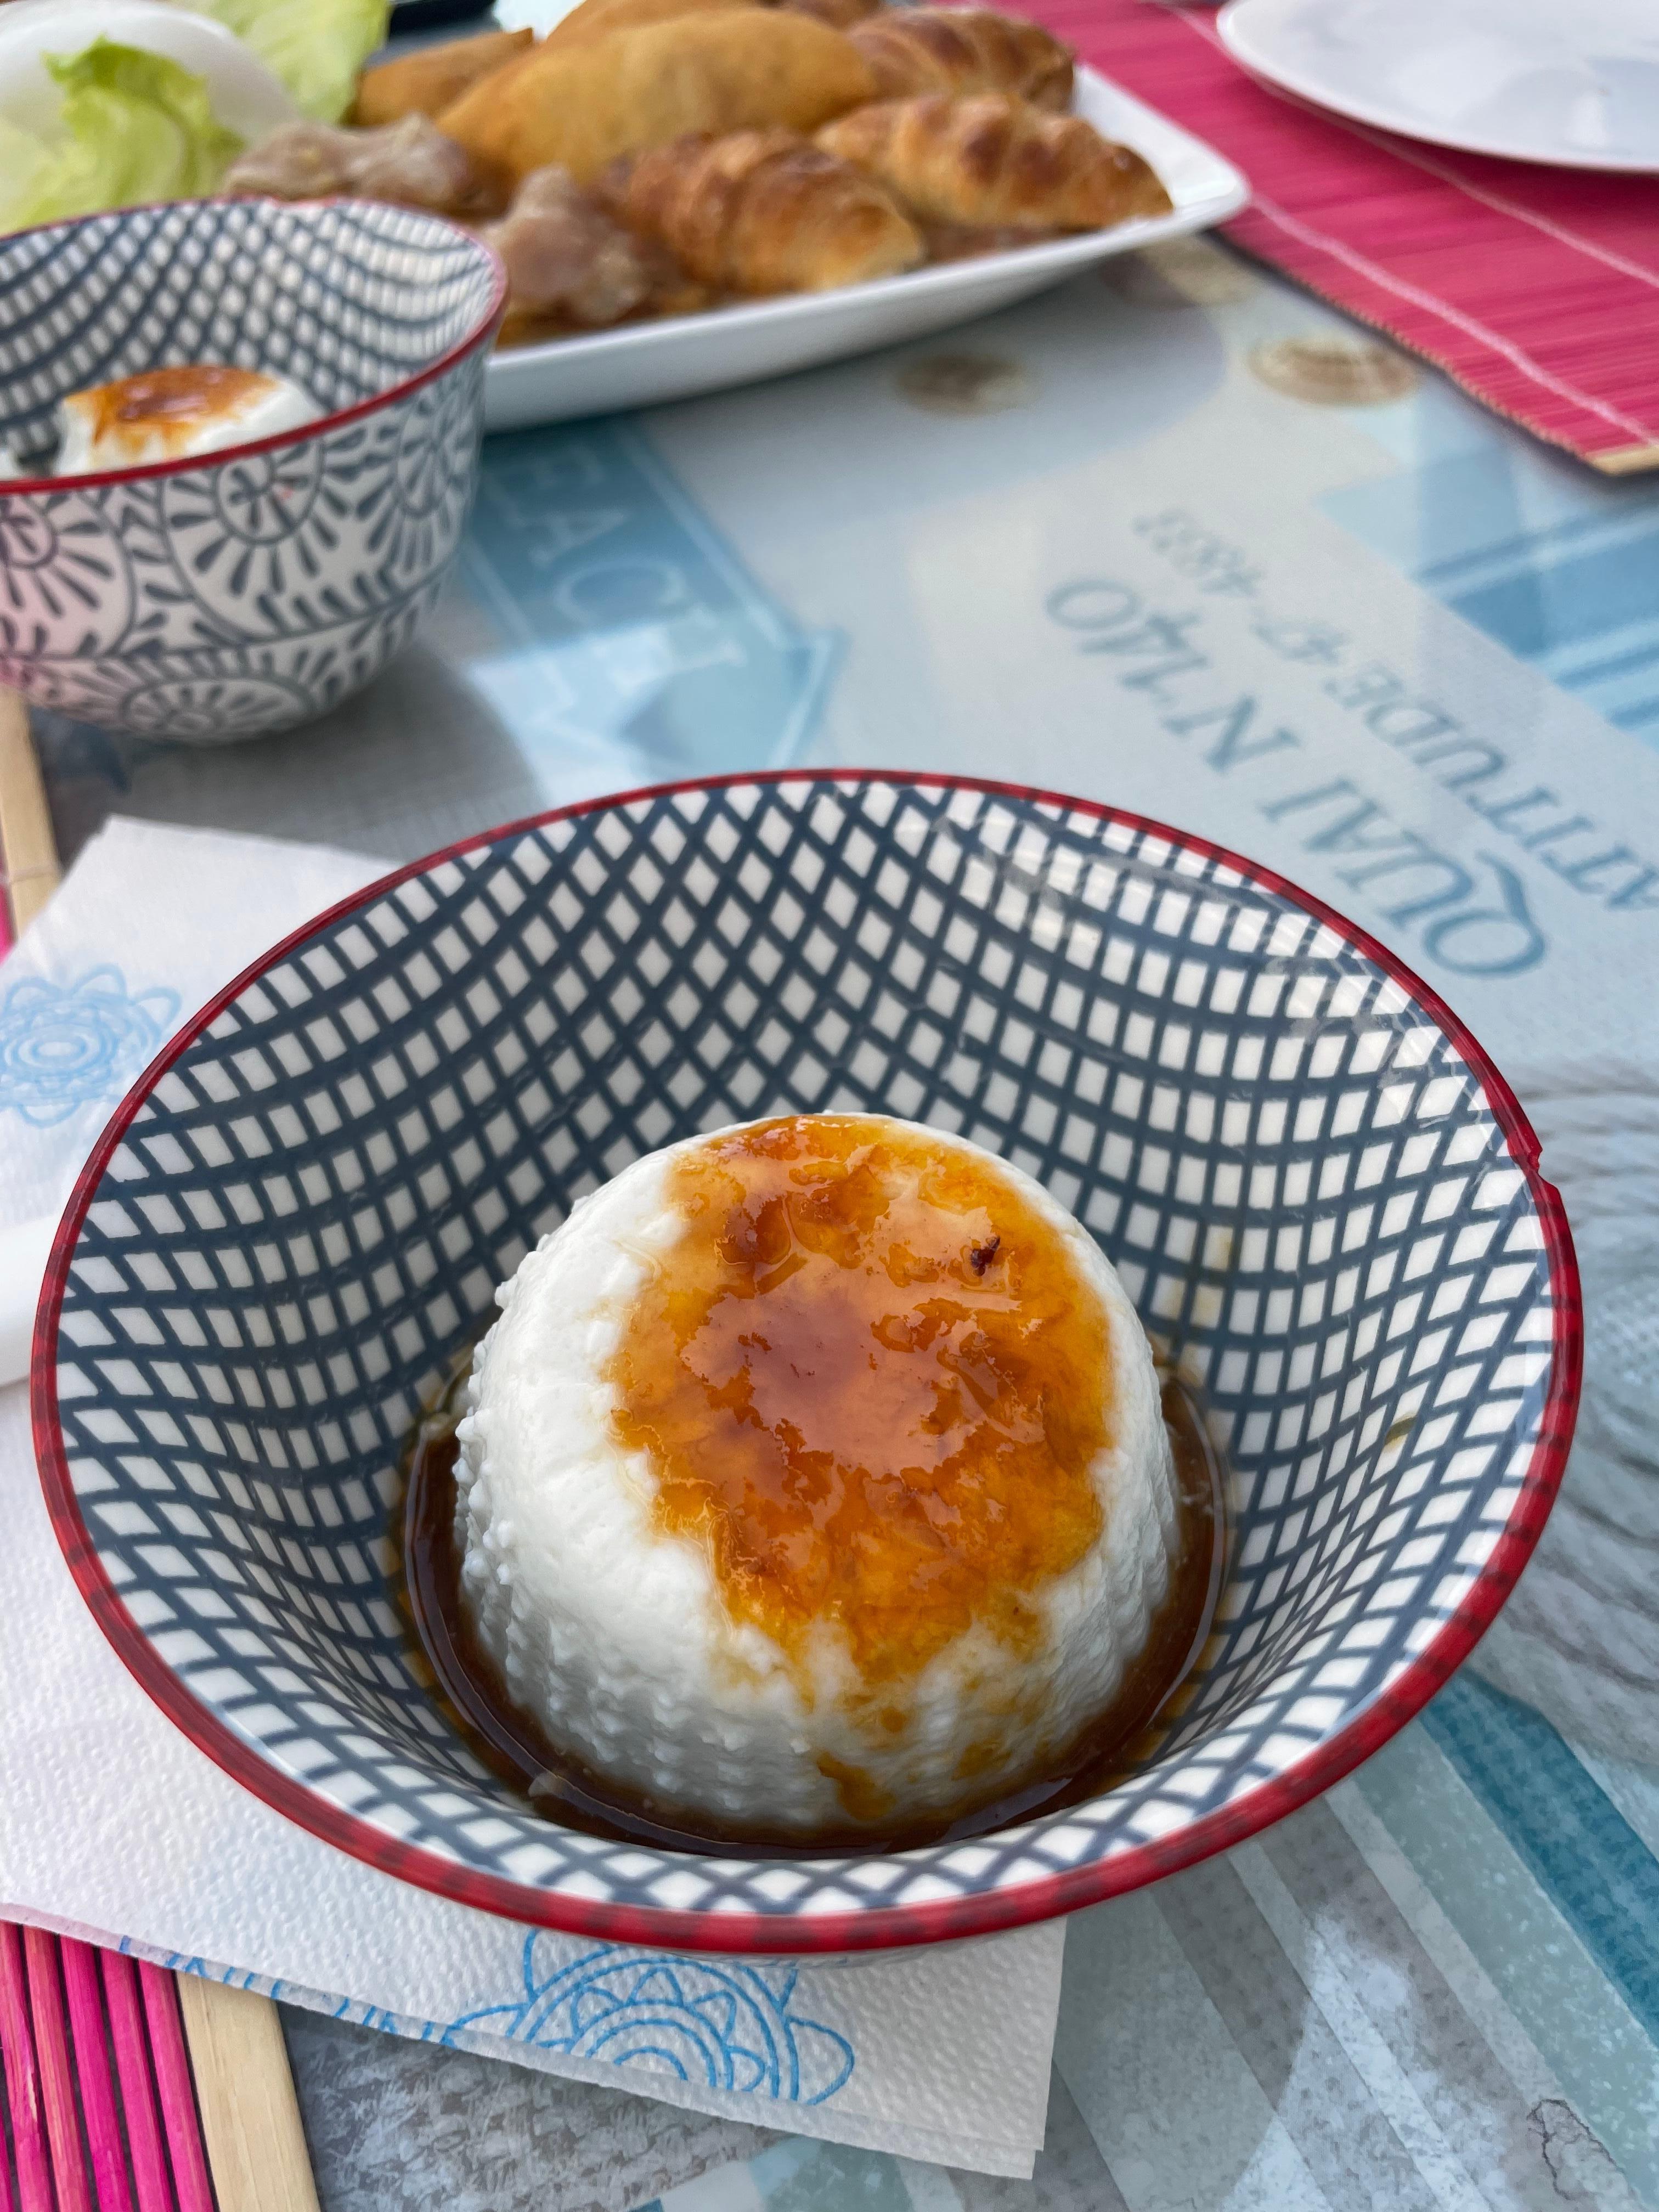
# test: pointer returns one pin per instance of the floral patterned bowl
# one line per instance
(1322, 1196)
(218, 598)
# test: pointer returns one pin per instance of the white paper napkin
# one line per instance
(149, 924)
(113, 1826)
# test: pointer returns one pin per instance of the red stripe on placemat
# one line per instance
(1536, 288)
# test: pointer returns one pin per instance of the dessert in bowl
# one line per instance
(814, 1487)
(210, 557)
(1322, 1202)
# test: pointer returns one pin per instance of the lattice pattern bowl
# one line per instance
(1316, 1187)
(217, 598)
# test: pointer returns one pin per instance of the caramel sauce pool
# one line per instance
(468, 1691)
(872, 1378)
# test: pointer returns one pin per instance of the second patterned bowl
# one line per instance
(217, 598)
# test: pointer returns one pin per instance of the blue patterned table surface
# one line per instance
(1103, 541)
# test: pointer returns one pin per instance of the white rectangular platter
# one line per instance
(643, 364)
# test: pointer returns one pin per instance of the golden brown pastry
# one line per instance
(961, 50)
(427, 83)
(583, 105)
(992, 160)
(842, 13)
(763, 211)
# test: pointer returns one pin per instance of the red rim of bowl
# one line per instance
(480, 333)
(884, 1927)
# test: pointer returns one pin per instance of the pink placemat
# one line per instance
(1536, 288)
(98, 2108)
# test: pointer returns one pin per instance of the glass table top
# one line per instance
(1174, 537)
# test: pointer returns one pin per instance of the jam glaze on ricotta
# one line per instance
(872, 1379)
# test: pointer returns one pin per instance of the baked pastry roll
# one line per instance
(762, 211)
(993, 162)
(583, 105)
(960, 49)
(426, 82)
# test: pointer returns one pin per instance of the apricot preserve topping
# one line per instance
(183, 398)
(874, 1379)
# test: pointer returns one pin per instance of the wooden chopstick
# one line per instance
(244, 2092)
(29, 852)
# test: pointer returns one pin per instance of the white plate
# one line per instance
(1572, 82)
(647, 362)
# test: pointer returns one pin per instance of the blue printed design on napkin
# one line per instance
(717, 2023)
(62, 1046)
(357, 2012)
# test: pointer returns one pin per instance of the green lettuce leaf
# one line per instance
(134, 127)
(315, 47)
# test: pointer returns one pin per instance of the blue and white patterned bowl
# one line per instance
(1321, 1194)
(218, 599)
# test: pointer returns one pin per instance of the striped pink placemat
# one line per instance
(98, 2109)
(1536, 288)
